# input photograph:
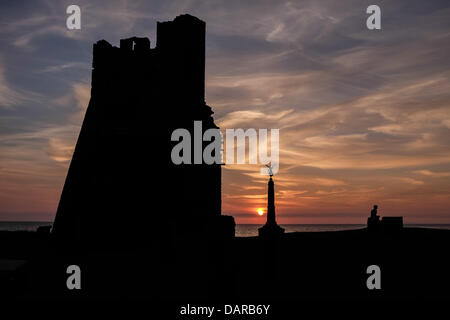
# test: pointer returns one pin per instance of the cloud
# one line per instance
(411, 181)
(433, 174)
(364, 116)
(9, 97)
(64, 66)
(59, 150)
(77, 96)
(328, 182)
(25, 40)
(241, 119)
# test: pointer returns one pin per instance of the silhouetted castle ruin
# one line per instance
(122, 187)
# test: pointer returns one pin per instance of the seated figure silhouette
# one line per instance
(373, 213)
(373, 222)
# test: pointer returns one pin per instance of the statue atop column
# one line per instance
(271, 228)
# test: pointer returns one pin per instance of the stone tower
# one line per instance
(122, 188)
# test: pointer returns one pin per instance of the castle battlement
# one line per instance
(185, 35)
(177, 59)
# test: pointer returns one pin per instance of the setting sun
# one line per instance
(260, 212)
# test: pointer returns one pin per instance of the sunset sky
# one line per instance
(364, 115)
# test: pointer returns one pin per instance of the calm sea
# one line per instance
(22, 225)
(242, 230)
(250, 230)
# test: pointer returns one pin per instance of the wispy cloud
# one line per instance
(8, 96)
(364, 116)
(433, 174)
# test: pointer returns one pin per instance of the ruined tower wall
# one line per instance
(121, 179)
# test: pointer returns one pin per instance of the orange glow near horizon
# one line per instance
(354, 131)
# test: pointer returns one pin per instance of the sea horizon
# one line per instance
(242, 230)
